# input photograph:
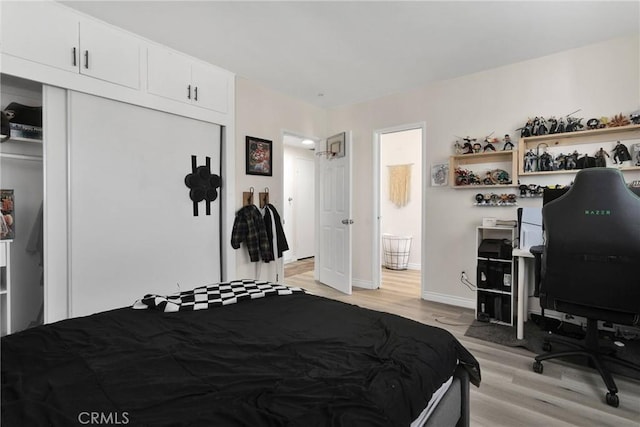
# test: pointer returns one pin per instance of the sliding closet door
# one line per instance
(132, 228)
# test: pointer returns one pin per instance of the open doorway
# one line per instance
(399, 172)
(299, 202)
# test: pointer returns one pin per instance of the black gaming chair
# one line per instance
(590, 263)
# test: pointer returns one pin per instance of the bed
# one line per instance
(260, 354)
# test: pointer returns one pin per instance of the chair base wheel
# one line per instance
(612, 400)
(537, 367)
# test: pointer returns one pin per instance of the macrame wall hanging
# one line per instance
(203, 184)
(399, 184)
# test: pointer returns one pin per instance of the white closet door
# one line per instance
(132, 226)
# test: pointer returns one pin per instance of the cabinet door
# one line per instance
(42, 32)
(109, 54)
(169, 74)
(211, 86)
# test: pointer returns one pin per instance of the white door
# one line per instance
(334, 257)
(304, 207)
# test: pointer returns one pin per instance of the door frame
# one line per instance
(376, 263)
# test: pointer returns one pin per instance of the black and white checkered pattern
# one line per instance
(204, 297)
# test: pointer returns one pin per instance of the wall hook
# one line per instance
(247, 197)
(264, 197)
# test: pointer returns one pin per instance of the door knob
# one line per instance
(347, 221)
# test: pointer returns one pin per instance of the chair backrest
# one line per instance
(591, 259)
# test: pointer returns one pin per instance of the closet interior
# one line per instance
(21, 182)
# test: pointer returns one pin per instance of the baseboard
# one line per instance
(450, 300)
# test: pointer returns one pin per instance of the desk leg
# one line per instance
(521, 298)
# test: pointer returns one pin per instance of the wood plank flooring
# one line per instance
(510, 394)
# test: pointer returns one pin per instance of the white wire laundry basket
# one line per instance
(396, 251)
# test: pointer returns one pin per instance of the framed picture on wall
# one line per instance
(439, 174)
(259, 156)
(7, 218)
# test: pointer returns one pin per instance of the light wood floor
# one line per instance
(510, 394)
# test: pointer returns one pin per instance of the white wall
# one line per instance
(263, 113)
(399, 148)
(600, 79)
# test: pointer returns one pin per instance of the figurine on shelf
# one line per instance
(523, 190)
(561, 127)
(530, 161)
(457, 147)
(477, 147)
(571, 161)
(574, 124)
(619, 120)
(553, 125)
(546, 162)
(508, 145)
(593, 123)
(635, 117)
(601, 158)
(467, 147)
(560, 162)
(488, 179)
(501, 176)
(488, 144)
(620, 153)
(540, 126)
(527, 129)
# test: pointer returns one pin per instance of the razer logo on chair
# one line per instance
(597, 212)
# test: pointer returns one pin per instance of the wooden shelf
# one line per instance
(463, 160)
(594, 136)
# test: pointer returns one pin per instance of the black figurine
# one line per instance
(508, 145)
(620, 153)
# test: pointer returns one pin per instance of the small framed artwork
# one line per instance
(336, 145)
(259, 156)
(7, 217)
(439, 174)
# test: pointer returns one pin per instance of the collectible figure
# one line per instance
(561, 127)
(560, 162)
(530, 161)
(600, 157)
(574, 124)
(619, 120)
(540, 126)
(527, 129)
(593, 123)
(635, 117)
(571, 161)
(477, 147)
(546, 162)
(467, 147)
(553, 125)
(488, 144)
(523, 190)
(620, 153)
(508, 145)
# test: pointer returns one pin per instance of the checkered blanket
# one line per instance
(204, 297)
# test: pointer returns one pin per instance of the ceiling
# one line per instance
(334, 53)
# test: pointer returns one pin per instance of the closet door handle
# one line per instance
(75, 61)
(195, 93)
(86, 59)
(189, 92)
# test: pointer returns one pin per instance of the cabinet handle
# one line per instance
(195, 90)
(86, 59)
(189, 92)
(75, 61)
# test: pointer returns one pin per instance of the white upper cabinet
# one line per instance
(41, 32)
(49, 34)
(109, 54)
(180, 78)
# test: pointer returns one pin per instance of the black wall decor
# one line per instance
(203, 184)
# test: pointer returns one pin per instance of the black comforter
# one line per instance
(295, 360)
